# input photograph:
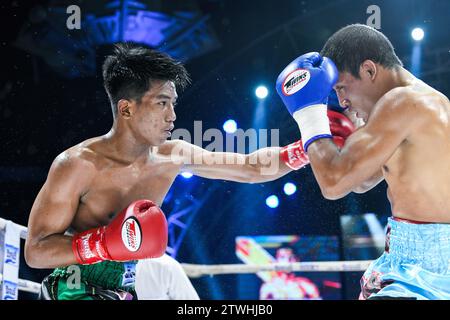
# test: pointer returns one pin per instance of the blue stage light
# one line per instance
(186, 175)
(272, 201)
(261, 92)
(418, 34)
(230, 126)
(289, 188)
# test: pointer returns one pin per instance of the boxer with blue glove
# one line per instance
(78, 220)
(404, 140)
(304, 86)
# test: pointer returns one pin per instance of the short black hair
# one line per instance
(129, 71)
(352, 45)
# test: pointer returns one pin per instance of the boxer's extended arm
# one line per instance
(260, 166)
(265, 164)
(52, 214)
(338, 172)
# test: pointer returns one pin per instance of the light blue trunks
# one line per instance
(415, 264)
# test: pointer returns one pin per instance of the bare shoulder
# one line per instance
(417, 96)
(400, 97)
(405, 103)
(78, 161)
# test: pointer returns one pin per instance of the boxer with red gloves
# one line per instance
(78, 221)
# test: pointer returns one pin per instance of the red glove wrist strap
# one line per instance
(294, 156)
(88, 246)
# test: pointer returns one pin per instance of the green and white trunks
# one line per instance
(107, 280)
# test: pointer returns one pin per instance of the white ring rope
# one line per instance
(194, 271)
(198, 270)
(23, 230)
(26, 285)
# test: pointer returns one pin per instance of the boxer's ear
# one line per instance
(124, 108)
(369, 70)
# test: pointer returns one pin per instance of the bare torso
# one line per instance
(418, 173)
(114, 184)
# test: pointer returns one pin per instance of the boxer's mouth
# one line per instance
(168, 130)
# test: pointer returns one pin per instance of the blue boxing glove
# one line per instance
(304, 86)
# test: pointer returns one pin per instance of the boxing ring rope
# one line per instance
(23, 230)
(26, 285)
(23, 285)
(195, 270)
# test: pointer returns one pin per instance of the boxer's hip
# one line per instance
(426, 245)
(416, 262)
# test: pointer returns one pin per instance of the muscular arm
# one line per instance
(371, 183)
(259, 166)
(338, 172)
(52, 214)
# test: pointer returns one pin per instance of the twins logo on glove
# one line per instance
(131, 234)
(295, 81)
(304, 86)
(138, 232)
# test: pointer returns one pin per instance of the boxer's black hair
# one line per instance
(352, 45)
(130, 70)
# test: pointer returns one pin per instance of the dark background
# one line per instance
(43, 111)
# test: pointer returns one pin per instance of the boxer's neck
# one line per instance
(123, 144)
(399, 77)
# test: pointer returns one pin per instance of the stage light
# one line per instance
(230, 126)
(289, 188)
(186, 175)
(418, 34)
(261, 92)
(272, 201)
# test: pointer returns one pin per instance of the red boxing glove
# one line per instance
(137, 232)
(294, 156)
(341, 127)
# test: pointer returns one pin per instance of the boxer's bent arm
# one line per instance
(260, 166)
(338, 172)
(370, 184)
(378, 177)
(52, 214)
